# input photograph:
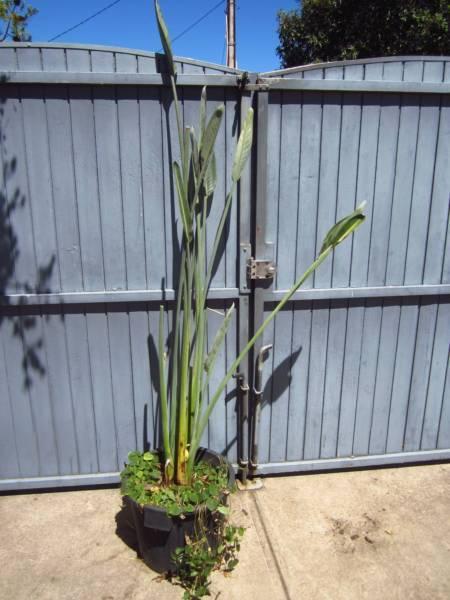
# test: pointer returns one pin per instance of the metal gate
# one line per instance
(358, 373)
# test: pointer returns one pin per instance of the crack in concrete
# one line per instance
(269, 545)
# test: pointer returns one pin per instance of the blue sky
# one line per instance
(131, 23)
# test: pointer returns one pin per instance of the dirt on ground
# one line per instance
(376, 534)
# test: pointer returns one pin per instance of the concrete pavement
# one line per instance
(377, 534)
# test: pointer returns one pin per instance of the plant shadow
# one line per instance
(22, 318)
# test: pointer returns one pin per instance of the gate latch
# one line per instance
(260, 269)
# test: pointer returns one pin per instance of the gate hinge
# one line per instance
(260, 269)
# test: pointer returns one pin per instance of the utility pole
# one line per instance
(231, 34)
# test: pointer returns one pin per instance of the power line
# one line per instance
(108, 6)
(99, 12)
(199, 20)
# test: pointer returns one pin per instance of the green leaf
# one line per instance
(210, 135)
(209, 182)
(163, 387)
(218, 339)
(211, 504)
(183, 202)
(133, 457)
(232, 563)
(165, 40)
(194, 497)
(194, 153)
(224, 510)
(187, 143)
(343, 228)
(174, 510)
(243, 146)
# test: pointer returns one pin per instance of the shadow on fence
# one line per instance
(21, 318)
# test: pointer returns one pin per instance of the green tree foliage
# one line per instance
(15, 15)
(325, 30)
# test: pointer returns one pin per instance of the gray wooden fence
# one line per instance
(359, 370)
(365, 345)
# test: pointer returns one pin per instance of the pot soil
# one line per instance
(159, 534)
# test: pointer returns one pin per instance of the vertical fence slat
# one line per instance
(288, 190)
(367, 375)
(384, 179)
(64, 192)
(328, 179)
(130, 177)
(403, 189)
(274, 132)
(440, 206)
(422, 189)
(413, 70)
(367, 161)
(420, 374)
(309, 181)
(9, 466)
(267, 406)
(333, 378)
(8, 59)
(350, 377)
(231, 396)
(153, 186)
(86, 181)
(29, 59)
(40, 185)
(78, 60)
(347, 179)
(126, 63)
(36, 379)
(316, 383)
(99, 356)
(20, 252)
(121, 380)
(146, 64)
(75, 321)
(54, 59)
(231, 130)
(110, 188)
(384, 376)
(144, 366)
(217, 425)
(103, 62)
(22, 409)
(436, 384)
(280, 392)
(215, 98)
(59, 381)
(298, 376)
(404, 358)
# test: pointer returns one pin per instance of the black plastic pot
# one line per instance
(159, 534)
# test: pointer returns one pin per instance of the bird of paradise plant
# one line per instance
(184, 385)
